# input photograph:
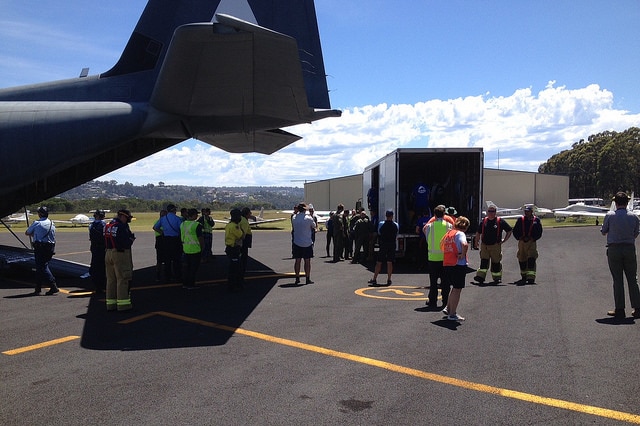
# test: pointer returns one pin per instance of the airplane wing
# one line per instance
(22, 258)
(71, 222)
(12, 220)
(260, 222)
(80, 219)
(510, 216)
(577, 215)
(252, 223)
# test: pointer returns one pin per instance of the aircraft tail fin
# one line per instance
(148, 45)
(261, 215)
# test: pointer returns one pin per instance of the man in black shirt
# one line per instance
(489, 236)
(387, 235)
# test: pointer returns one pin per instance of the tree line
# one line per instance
(110, 195)
(602, 165)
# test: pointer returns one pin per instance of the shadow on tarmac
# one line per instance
(163, 315)
(616, 321)
(445, 323)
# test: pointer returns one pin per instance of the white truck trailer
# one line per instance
(412, 180)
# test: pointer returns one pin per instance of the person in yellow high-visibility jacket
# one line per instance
(192, 242)
(233, 237)
(434, 232)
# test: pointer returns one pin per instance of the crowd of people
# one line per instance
(186, 241)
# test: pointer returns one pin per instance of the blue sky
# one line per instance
(522, 79)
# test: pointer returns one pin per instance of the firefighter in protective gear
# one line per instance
(490, 237)
(527, 231)
(118, 240)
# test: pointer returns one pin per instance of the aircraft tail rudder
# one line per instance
(148, 44)
(297, 19)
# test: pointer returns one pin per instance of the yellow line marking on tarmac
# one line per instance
(393, 292)
(464, 384)
(40, 345)
(217, 281)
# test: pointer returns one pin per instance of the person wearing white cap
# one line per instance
(303, 227)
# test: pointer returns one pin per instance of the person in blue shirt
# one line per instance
(169, 227)
(43, 235)
(622, 228)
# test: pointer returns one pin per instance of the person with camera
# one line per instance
(43, 234)
(118, 240)
(527, 231)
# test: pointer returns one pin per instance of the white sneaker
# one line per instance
(455, 317)
(445, 311)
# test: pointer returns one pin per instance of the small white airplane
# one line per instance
(79, 219)
(580, 211)
(322, 216)
(16, 218)
(255, 220)
(507, 213)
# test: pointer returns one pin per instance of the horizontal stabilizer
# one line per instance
(212, 72)
(264, 142)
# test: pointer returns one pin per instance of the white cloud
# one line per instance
(517, 132)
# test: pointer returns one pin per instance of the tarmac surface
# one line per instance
(335, 352)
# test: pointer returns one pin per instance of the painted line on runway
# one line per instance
(464, 384)
(40, 345)
(217, 281)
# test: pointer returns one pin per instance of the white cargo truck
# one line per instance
(409, 181)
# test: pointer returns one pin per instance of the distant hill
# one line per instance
(269, 197)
